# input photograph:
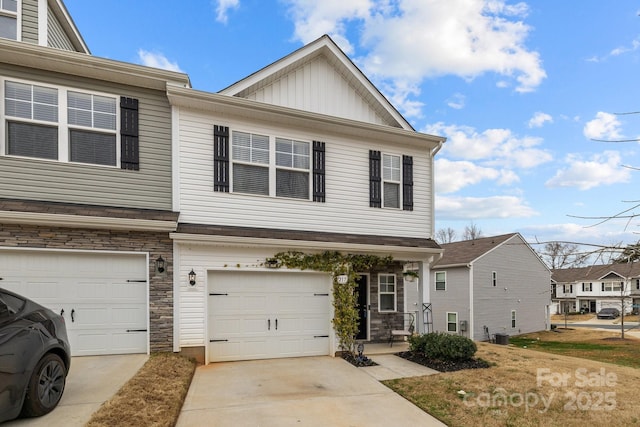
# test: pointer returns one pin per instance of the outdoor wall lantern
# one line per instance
(160, 264)
(192, 277)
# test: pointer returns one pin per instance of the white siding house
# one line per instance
(304, 155)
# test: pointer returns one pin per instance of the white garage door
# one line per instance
(103, 297)
(267, 315)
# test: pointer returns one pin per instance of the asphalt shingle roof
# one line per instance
(594, 272)
(466, 251)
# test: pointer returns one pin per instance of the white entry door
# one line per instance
(267, 315)
(102, 296)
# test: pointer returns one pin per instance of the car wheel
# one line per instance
(45, 386)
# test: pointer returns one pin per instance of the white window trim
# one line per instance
(272, 166)
(447, 321)
(391, 181)
(513, 319)
(435, 280)
(18, 16)
(63, 123)
(395, 293)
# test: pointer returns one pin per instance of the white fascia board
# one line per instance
(215, 103)
(80, 221)
(397, 252)
(82, 65)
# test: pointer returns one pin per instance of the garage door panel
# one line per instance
(92, 285)
(242, 323)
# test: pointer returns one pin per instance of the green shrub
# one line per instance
(443, 346)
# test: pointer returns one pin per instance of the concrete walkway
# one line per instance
(308, 391)
(92, 381)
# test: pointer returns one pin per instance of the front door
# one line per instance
(363, 307)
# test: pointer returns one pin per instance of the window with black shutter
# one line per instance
(221, 158)
(407, 183)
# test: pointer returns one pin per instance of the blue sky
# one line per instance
(521, 90)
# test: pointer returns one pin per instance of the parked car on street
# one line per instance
(34, 357)
(609, 313)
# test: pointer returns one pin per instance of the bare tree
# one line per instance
(446, 235)
(471, 232)
(563, 255)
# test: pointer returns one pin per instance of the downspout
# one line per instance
(471, 333)
(433, 153)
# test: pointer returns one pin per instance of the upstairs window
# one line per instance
(494, 278)
(9, 19)
(391, 181)
(92, 128)
(257, 162)
(441, 280)
(58, 123)
(587, 287)
(32, 127)
(292, 168)
(513, 318)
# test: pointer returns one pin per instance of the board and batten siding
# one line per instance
(29, 30)
(318, 87)
(346, 209)
(527, 282)
(192, 300)
(455, 297)
(148, 188)
(56, 36)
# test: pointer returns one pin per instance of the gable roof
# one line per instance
(333, 58)
(61, 13)
(467, 251)
(595, 272)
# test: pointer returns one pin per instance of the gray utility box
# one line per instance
(502, 339)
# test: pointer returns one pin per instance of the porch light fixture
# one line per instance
(160, 264)
(192, 277)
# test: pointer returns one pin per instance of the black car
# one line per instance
(34, 357)
(609, 313)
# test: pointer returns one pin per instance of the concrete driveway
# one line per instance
(91, 381)
(308, 391)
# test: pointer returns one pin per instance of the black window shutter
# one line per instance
(407, 183)
(375, 179)
(318, 172)
(221, 158)
(129, 142)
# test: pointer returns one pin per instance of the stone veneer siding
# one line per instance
(155, 243)
(379, 331)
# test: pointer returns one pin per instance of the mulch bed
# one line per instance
(443, 365)
(357, 361)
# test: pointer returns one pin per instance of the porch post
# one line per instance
(423, 293)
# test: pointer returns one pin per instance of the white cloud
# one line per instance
(410, 40)
(453, 176)
(473, 208)
(222, 7)
(494, 146)
(539, 119)
(457, 101)
(604, 126)
(157, 60)
(600, 169)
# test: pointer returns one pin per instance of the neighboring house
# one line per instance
(595, 287)
(305, 155)
(86, 194)
(487, 286)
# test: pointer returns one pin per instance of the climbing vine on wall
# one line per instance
(345, 296)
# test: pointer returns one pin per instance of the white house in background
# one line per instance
(595, 287)
(306, 155)
(487, 286)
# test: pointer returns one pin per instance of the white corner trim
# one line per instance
(43, 15)
(77, 221)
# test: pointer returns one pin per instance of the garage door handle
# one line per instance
(276, 324)
(62, 312)
(136, 281)
(136, 330)
(73, 311)
(268, 324)
(321, 336)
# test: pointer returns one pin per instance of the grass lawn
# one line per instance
(541, 385)
(153, 397)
